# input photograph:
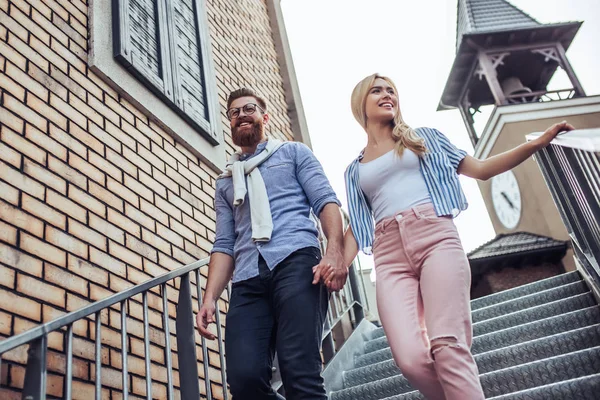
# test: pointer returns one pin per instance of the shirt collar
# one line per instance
(261, 146)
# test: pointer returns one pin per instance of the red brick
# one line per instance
(68, 111)
(105, 196)
(18, 260)
(87, 169)
(107, 262)
(87, 270)
(153, 184)
(41, 210)
(67, 242)
(156, 241)
(83, 198)
(139, 217)
(65, 205)
(9, 155)
(18, 180)
(25, 112)
(45, 142)
(69, 139)
(41, 290)
(103, 165)
(125, 255)
(169, 235)
(107, 229)
(7, 278)
(66, 280)
(87, 235)
(12, 87)
(123, 191)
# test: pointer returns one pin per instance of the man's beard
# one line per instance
(249, 137)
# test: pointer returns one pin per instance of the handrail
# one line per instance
(70, 318)
(582, 139)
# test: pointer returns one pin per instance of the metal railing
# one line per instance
(349, 304)
(571, 168)
(34, 387)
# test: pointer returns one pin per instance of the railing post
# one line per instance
(34, 387)
(186, 342)
(354, 287)
(328, 346)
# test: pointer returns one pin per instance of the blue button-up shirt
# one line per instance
(295, 183)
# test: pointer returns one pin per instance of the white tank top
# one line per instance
(392, 184)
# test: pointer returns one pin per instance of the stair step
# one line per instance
(584, 388)
(510, 336)
(521, 353)
(531, 300)
(516, 318)
(511, 294)
(535, 313)
(525, 290)
(496, 383)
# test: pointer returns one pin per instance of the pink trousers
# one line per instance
(423, 281)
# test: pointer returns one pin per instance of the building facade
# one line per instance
(113, 131)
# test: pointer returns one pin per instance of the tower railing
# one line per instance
(571, 168)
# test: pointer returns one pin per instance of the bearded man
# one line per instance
(267, 244)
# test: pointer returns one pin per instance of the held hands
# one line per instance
(205, 317)
(552, 132)
(331, 271)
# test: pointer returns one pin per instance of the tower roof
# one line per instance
(478, 16)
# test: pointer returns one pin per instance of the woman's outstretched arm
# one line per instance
(485, 169)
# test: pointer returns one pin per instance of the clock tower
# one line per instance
(504, 66)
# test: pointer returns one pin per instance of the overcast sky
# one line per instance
(336, 43)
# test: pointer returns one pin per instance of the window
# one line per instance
(156, 54)
(160, 41)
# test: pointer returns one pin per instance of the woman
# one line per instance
(403, 192)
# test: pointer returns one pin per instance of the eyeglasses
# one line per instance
(248, 109)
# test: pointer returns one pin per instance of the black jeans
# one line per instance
(279, 310)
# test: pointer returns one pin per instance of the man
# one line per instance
(267, 242)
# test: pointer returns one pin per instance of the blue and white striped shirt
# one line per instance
(438, 166)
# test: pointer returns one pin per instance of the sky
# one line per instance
(336, 43)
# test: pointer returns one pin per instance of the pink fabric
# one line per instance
(423, 281)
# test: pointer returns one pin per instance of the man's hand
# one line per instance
(205, 317)
(331, 271)
(551, 133)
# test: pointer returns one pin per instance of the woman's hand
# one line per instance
(551, 133)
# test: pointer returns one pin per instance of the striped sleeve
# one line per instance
(361, 218)
(455, 155)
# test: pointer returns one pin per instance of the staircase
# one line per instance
(538, 341)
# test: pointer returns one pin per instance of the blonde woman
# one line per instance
(403, 192)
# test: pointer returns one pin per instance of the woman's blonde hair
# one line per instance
(403, 135)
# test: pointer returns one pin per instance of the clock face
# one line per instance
(506, 198)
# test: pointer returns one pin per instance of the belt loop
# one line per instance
(416, 212)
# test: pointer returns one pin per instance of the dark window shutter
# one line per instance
(189, 62)
(141, 42)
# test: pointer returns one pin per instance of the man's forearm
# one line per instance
(331, 221)
(220, 271)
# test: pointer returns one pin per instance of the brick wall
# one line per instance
(94, 196)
